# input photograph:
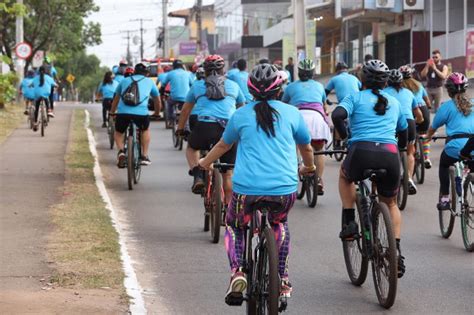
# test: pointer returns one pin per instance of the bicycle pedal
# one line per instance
(283, 304)
(234, 299)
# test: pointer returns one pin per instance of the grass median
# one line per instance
(10, 118)
(84, 245)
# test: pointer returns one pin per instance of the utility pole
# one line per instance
(199, 24)
(141, 35)
(129, 55)
(166, 41)
(19, 39)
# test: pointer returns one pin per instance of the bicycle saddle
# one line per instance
(374, 173)
(270, 206)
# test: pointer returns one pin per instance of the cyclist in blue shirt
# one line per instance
(409, 109)
(241, 77)
(343, 83)
(106, 92)
(214, 107)
(267, 133)
(27, 89)
(119, 75)
(233, 69)
(374, 116)
(138, 113)
(42, 84)
(458, 116)
(193, 117)
(53, 73)
(180, 82)
(309, 97)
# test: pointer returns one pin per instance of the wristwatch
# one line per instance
(311, 168)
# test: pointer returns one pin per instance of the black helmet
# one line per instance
(395, 76)
(264, 81)
(177, 64)
(213, 63)
(140, 68)
(200, 73)
(375, 71)
(341, 65)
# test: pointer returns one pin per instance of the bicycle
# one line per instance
(177, 141)
(133, 152)
(31, 115)
(402, 195)
(260, 264)
(308, 185)
(43, 118)
(419, 171)
(110, 129)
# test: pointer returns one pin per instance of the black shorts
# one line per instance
(207, 134)
(423, 127)
(411, 131)
(371, 155)
(107, 103)
(123, 120)
(192, 121)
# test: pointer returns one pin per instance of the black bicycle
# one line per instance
(419, 171)
(402, 195)
(308, 185)
(260, 264)
(177, 141)
(133, 153)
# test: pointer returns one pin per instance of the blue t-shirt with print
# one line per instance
(180, 81)
(266, 165)
(301, 92)
(366, 125)
(146, 87)
(241, 78)
(108, 90)
(406, 98)
(44, 90)
(205, 107)
(456, 123)
(27, 88)
(344, 84)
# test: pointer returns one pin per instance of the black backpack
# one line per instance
(215, 87)
(131, 96)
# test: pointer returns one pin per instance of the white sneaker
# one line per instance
(412, 189)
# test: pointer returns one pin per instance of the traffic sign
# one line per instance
(38, 59)
(70, 78)
(23, 50)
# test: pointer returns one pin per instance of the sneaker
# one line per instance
(35, 127)
(104, 125)
(444, 205)
(121, 159)
(237, 286)
(198, 184)
(51, 114)
(145, 160)
(349, 231)
(401, 265)
(427, 163)
(320, 188)
(412, 190)
(285, 288)
(25, 112)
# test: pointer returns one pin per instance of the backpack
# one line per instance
(215, 87)
(131, 96)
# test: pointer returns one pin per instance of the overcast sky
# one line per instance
(115, 17)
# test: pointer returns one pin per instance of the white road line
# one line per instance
(137, 304)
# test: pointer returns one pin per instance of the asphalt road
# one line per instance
(181, 272)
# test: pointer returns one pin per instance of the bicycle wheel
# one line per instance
(216, 206)
(43, 121)
(419, 163)
(301, 187)
(446, 217)
(337, 145)
(385, 261)
(402, 195)
(31, 116)
(268, 291)
(130, 164)
(174, 138)
(136, 159)
(111, 132)
(467, 215)
(311, 190)
(207, 206)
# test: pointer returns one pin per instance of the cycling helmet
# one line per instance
(306, 69)
(177, 64)
(456, 83)
(123, 62)
(200, 73)
(264, 81)
(47, 59)
(341, 65)
(213, 62)
(278, 66)
(129, 71)
(283, 75)
(234, 64)
(167, 68)
(375, 71)
(395, 76)
(140, 68)
(115, 69)
(406, 71)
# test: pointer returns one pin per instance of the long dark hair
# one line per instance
(108, 78)
(265, 117)
(382, 103)
(396, 85)
(42, 71)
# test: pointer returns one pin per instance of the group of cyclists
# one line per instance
(265, 124)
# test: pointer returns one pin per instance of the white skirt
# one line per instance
(317, 126)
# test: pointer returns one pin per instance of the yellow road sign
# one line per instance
(70, 78)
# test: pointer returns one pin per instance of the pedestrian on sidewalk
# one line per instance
(435, 73)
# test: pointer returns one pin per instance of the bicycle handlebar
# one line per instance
(329, 152)
(224, 166)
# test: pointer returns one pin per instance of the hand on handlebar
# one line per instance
(182, 133)
(307, 170)
(208, 167)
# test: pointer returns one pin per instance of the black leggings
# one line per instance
(51, 98)
(423, 127)
(37, 105)
(445, 162)
(106, 106)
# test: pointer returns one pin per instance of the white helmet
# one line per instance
(284, 75)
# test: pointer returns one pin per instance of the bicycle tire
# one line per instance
(207, 214)
(355, 250)
(43, 119)
(402, 195)
(180, 145)
(467, 215)
(216, 206)
(385, 259)
(111, 132)
(311, 190)
(174, 138)
(251, 299)
(446, 217)
(301, 187)
(130, 166)
(419, 163)
(136, 158)
(267, 274)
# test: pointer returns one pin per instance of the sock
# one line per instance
(348, 215)
(426, 147)
(398, 244)
(445, 198)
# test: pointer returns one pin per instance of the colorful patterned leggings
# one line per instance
(239, 215)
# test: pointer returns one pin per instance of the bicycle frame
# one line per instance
(461, 171)
(367, 205)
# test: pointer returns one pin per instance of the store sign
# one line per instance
(413, 4)
(470, 55)
(187, 48)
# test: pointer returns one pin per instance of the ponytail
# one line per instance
(463, 103)
(41, 76)
(265, 114)
(382, 103)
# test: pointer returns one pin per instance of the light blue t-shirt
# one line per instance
(161, 78)
(266, 165)
(119, 78)
(27, 88)
(221, 109)
(108, 90)
(344, 84)
(45, 90)
(180, 81)
(304, 92)
(456, 123)
(407, 100)
(419, 95)
(241, 78)
(366, 125)
(232, 71)
(146, 87)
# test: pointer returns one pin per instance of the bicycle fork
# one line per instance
(366, 225)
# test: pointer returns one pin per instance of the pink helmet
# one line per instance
(456, 83)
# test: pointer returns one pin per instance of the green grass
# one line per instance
(10, 118)
(84, 244)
